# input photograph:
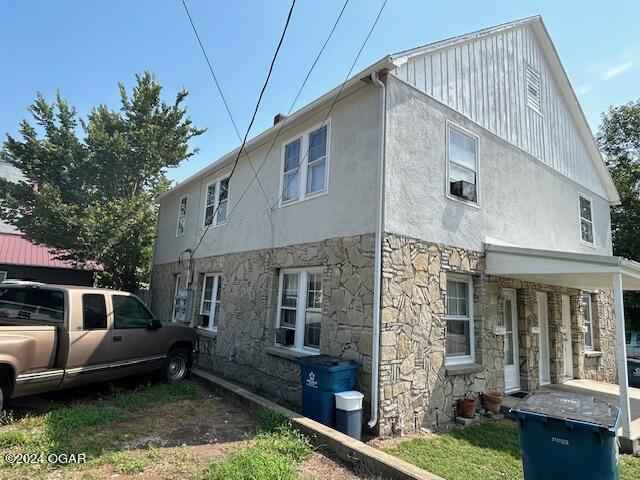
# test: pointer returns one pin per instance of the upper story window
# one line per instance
(305, 162)
(534, 91)
(586, 219)
(182, 216)
(459, 339)
(462, 165)
(216, 202)
(300, 309)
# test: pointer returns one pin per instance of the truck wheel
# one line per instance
(176, 366)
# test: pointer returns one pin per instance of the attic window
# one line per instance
(534, 94)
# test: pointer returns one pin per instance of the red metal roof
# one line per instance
(15, 249)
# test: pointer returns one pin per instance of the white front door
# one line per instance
(566, 336)
(543, 337)
(511, 358)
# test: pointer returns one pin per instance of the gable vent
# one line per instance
(534, 94)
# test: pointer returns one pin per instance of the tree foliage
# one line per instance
(92, 198)
(619, 140)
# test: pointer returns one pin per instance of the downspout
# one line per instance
(377, 274)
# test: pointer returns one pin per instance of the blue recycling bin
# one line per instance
(568, 436)
(633, 372)
(321, 377)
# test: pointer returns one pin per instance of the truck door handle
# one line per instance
(117, 338)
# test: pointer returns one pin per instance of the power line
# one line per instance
(335, 100)
(224, 100)
(284, 121)
(264, 87)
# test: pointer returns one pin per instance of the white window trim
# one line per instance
(214, 299)
(589, 332)
(303, 275)
(449, 126)
(303, 166)
(3, 275)
(535, 72)
(463, 359)
(216, 202)
(580, 218)
(176, 289)
(183, 197)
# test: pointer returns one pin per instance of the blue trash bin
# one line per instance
(633, 372)
(321, 377)
(568, 436)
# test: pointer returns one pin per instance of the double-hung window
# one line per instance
(305, 162)
(216, 202)
(586, 219)
(182, 216)
(300, 308)
(462, 165)
(587, 309)
(459, 339)
(210, 303)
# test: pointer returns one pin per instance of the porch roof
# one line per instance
(566, 269)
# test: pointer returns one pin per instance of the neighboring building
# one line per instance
(22, 260)
(493, 246)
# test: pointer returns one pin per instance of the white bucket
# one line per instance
(349, 401)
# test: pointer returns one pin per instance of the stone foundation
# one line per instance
(416, 388)
(243, 349)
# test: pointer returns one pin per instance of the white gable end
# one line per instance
(491, 78)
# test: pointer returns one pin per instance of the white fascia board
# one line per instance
(356, 81)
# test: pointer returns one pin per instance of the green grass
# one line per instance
(74, 428)
(272, 456)
(485, 451)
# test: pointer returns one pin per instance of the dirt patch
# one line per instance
(326, 466)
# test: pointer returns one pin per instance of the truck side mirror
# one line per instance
(154, 324)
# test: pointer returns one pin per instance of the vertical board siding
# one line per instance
(485, 79)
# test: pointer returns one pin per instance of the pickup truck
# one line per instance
(57, 336)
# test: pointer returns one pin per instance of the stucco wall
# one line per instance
(348, 209)
(522, 202)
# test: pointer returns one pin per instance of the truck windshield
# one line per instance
(31, 306)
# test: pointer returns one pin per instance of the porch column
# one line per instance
(621, 355)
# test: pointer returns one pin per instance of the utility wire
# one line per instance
(224, 100)
(335, 100)
(284, 121)
(264, 87)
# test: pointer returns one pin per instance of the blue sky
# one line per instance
(84, 48)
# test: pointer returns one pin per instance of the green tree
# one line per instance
(619, 140)
(92, 198)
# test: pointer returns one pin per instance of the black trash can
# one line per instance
(567, 436)
(633, 372)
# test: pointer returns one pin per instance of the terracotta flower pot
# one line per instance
(492, 401)
(467, 407)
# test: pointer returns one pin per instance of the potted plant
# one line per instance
(492, 401)
(467, 407)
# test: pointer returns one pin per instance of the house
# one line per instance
(446, 224)
(21, 259)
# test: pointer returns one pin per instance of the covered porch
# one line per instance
(581, 272)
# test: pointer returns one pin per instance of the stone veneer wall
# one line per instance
(243, 348)
(416, 388)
